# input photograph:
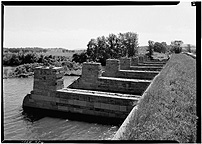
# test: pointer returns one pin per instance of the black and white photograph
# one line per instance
(94, 71)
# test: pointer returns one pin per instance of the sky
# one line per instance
(73, 27)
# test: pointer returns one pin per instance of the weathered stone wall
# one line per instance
(139, 63)
(96, 103)
(134, 61)
(143, 75)
(48, 93)
(91, 71)
(47, 81)
(113, 70)
(145, 68)
(125, 63)
(95, 92)
(46, 78)
(85, 102)
(110, 84)
(141, 59)
(151, 65)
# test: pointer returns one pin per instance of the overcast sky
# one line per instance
(73, 27)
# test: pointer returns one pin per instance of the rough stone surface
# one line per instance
(113, 70)
(112, 67)
(134, 61)
(120, 85)
(48, 93)
(145, 68)
(124, 63)
(141, 59)
(112, 93)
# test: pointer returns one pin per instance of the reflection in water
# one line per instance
(46, 126)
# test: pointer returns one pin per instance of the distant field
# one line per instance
(7, 70)
(60, 53)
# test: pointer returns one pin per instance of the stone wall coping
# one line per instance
(100, 93)
(124, 79)
(91, 63)
(140, 66)
(139, 71)
(47, 67)
(112, 60)
(125, 58)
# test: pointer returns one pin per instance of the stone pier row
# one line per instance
(110, 93)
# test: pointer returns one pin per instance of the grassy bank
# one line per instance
(168, 109)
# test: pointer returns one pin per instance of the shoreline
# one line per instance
(31, 74)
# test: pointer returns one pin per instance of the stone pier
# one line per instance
(113, 69)
(110, 93)
(137, 63)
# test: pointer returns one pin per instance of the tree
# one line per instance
(129, 43)
(132, 43)
(189, 48)
(113, 46)
(176, 46)
(160, 47)
(103, 50)
(92, 49)
(80, 58)
(150, 49)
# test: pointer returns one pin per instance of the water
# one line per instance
(17, 126)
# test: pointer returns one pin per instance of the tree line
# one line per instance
(113, 46)
(15, 59)
(162, 47)
(122, 45)
(25, 50)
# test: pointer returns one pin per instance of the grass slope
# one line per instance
(168, 110)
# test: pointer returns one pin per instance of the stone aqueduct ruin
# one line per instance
(112, 92)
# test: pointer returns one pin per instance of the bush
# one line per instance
(80, 58)
(160, 47)
(176, 49)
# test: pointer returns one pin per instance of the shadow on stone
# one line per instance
(35, 114)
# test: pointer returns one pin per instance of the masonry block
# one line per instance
(104, 106)
(123, 108)
(134, 61)
(124, 63)
(63, 108)
(48, 78)
(78, 110)
(113, 107)
(98, 100)
(145, 58)
(141, 59)
(91, 71)
(112, 67)
(97, 105)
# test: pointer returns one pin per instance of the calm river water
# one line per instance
(17, 126)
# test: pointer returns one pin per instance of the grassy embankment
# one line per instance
(168, 110)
